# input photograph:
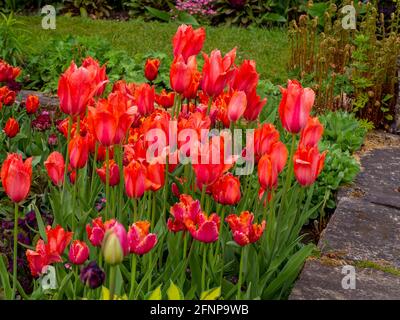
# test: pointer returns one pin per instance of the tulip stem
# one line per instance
(107, 182)
(96, 150)
(133, 277)
(240, 280)
(210, 99)
(67, 155)
(135, 209)
(165, 189)
(15, 251)
(121, 178)
(203, 193)
(113, 275)
(203, 269)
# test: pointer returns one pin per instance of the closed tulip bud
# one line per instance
(151, 69)
(237, 106)
(11, 128)
(182, 73)
(164, 99)
(136, 182)
(92, 275)
(32, 104)
(267, 172)
(55, 167)
(16, 177)
(115, 244)
(144, 97)
(295, 106)
(226, 190)
(312, 133)
(113, 173)
(78, 151)
(78, 252)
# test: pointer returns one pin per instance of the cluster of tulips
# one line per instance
(109, 132)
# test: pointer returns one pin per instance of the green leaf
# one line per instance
(174, 293)
(186, 18)
(274, 17)
(212, 294)
(162, 15)
(42, 229)
(156, 294)
(5, 279)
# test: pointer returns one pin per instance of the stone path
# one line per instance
(363, 232)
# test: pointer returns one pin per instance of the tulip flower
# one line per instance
(237, 106)
(279, 155)
(182, 73)
(151, 69)
(7, 96)
(57, 239)
(264, 137)
(114, 173)
(95, 233)
(136, 182)
(243, 230)
(254, 106)
(7, 72)
(312, 133)
(186, 207)
(217, 72)
(139, 238)
(155, 175)
(115, 244)
(16, 177)
(32, 104)
(78, 252)
(308, 164)
(55, 167)
(100, 77)
(164, 99)
(188, 42)
(144, 97)
(295, 106)
(202, 228)
(267, 172)
(78, 151)
(11, 128)
(37, 259)
(226, 190)
(92, 275)
(75, 88)
(245, 77)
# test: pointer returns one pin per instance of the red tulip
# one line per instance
(311, 133)
(188, 42)
(155, 175)
(113, 173)
(186, 207)
(254, 106)
(151, 69)
(55, 167)
(139, 238)
(11, 128)
(32, 104)
(279, 155)
(202, 228)
(164, 99)
(182, 73)
(78, 151)
(58, 239)
(308, 164)
(237, 106)
(38, 259)
(267, 172)
(217, 72)
(264, 137)
(75, 88)
(100, 78)
(295, 106)
(7, 96)
(78, 252)
(7, 72)
(245, 77)
(226, 190)
(144, 97)
(16, 177)
(136, 182)
(243, 230)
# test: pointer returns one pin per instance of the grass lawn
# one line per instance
(269, 47)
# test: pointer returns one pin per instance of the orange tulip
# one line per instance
(245, 77)
(136, 182)
(188, 42)
(100, 78)
(11, 128)
(295, 106)
(164, 99)
(243, 230)
(237, 106)
(144, 98)
(16, 177)
(217, 72)
(311, 133)
(32, 104)
(226, 190)
(151, 69)
(254, 105)
(182, 73)
(113, 173)
(78, 151)
(55, 167)
(308, 164)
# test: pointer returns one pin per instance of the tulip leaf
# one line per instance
(212, 294)
(42, 229)
(156, 294)
(159, 14)
(174, 293)
(105, 295)
(5, 280)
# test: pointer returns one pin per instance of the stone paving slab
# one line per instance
(370, 284)
(364, 227)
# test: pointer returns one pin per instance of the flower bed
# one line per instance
(143, 193)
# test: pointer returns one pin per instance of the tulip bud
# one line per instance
(32, 104)
(115, 244)
(92, 275)
(11, 128)
(78, 252)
